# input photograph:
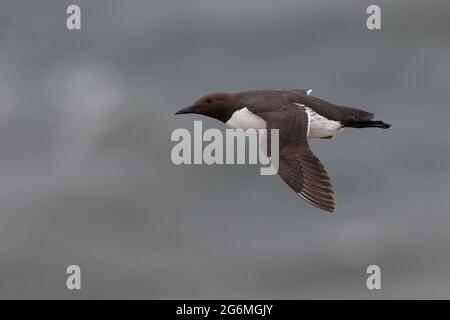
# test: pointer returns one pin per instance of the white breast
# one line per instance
(245, 119)
(319, 126)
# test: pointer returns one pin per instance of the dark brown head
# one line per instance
(217, 105)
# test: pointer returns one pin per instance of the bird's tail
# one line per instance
(367, 124)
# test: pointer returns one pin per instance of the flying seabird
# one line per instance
(298, 116)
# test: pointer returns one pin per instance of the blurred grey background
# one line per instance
(86, 175)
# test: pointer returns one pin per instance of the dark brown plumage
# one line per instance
(295, 114)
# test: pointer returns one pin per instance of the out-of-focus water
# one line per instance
(86, 176)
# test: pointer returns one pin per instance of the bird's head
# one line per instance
(217, 105)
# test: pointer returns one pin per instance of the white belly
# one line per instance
(318, 126)
(245, 119)
(321, 127)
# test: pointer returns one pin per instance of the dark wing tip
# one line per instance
(306, 175)
(321, 204)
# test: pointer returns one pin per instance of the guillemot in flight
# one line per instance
(298, 116)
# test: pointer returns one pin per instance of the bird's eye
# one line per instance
(208, 100)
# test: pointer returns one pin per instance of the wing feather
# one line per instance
(298, 166)
(306, 175)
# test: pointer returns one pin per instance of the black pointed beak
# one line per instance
(189, 109)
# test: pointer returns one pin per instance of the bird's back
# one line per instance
(273, 98)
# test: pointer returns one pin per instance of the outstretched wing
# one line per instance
(306, 175)
(298, 166)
